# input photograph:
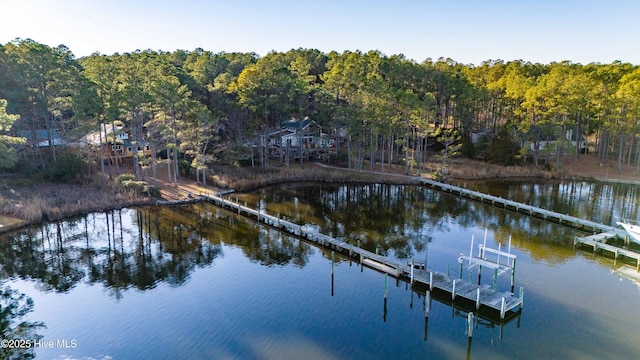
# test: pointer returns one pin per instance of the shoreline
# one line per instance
(247, 180)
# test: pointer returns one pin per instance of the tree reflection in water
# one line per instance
(138, 248)
(401, 220)
(18, 336)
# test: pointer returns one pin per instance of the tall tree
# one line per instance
(8, 156)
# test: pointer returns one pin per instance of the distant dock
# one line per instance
(599, 242)
(523, 208)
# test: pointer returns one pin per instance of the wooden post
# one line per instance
(430, 280)
(386, 284)
(484, 243)
(479, 273)
(478, 299)
(495, 279)
(411, 271)
(521, 297)
(333, 261)
(502, 310)
(427, 303)
(453, 291)
(513, 275)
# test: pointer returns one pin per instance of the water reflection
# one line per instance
(18, 336)
(401, 221)
(139, 248)
(596, 201)
(104, 248)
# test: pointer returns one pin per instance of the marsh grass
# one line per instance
(245, 179)
(37, 202)
(464, 169)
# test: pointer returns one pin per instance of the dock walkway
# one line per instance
(502, 302)
(524, 208)
(599, 242)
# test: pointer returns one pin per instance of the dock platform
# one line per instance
(599, 242)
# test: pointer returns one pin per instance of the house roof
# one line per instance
(280, 132)
(298, 123)
(93, 138)
(42, 137)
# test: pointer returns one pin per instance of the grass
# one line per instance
(35, 202)
(464, 169)
(245, 179)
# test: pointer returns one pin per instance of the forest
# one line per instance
(195, 109)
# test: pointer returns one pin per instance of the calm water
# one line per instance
(197, 282)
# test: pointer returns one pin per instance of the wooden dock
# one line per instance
(599, 242)
(524, 208)
(481, 296)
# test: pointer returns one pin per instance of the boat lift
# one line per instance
(497, 260)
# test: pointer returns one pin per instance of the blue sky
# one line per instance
(467, 31)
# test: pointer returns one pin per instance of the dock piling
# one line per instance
(333, 261)
(411, 271)
(427, 303)
(386, 284)
(453, 291)
(430, 280)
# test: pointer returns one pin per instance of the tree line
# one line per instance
(208, 107)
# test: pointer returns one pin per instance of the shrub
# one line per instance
(503, 150)
(125, 177)
(154, 191)
(68, 167)
(138, 187)
(184, 167)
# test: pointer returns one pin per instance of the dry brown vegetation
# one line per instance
(244, 179)
(35, 202)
